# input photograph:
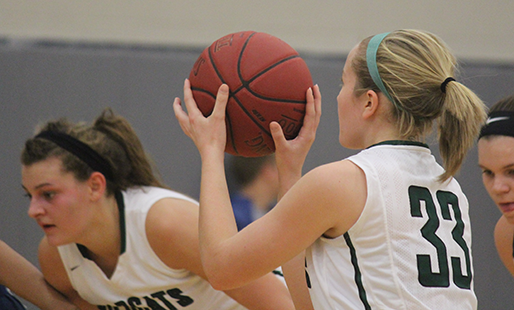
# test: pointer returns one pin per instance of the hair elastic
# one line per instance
(443, 84)
(499, 123)
(78, 148)
(371, 60)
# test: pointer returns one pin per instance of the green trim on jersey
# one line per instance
(400, 142)
(358, 275)
(121, 214)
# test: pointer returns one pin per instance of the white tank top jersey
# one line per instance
(141, 280)
(410, 247)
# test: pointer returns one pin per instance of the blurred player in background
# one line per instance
(255, 187)
(496, 159)
(115, 236)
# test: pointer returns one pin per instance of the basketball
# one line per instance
(268, 81)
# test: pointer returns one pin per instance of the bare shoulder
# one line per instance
(172, 231)
(170, 215)
(342, 180)
(53, 269)
(336, 171)
(503, 237)
(339, 191)
(49, 257)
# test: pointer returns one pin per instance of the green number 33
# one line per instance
(426, 276)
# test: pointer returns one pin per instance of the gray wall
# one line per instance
(42, 81)
(475, 29)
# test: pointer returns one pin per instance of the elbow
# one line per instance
(219, 284)
(220, 281)
(223, 271)
(222, 278)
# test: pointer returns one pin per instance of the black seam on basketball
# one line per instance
(238, 89)
(241, 56)
(250, 116)
(203, 91)
(290, 118)
(239, 65)
(245, 84)
(215, 68)
(229, 128)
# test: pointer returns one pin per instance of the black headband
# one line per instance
(499, 123)
(83, 151)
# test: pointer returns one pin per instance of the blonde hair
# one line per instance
(412, 65)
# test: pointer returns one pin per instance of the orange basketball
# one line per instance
(268, 81)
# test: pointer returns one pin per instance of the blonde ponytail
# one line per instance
(413, 66)
(459, 125)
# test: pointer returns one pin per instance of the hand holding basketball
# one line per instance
(291, 154)
(268, 81)
(208, 133)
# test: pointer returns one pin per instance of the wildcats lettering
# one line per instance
(156, 301)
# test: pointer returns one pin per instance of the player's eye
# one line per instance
(487, 173)
(48, 195)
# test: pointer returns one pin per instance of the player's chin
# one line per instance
(509, 217)
(55, 237)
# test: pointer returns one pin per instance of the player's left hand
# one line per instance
(290, 154)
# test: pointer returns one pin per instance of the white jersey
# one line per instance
(141, 280)
(410, 247)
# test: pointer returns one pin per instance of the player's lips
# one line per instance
(506, 207)
(46, 226)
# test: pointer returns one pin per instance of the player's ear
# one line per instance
(97, 185)
(371, 104)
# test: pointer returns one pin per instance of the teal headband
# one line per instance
(371, 59)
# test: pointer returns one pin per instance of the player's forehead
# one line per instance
(495, 151)
(349, 59)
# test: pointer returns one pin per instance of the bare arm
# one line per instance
(54, 272)
(290, 157)
(294, 272)
(503, 237)
(172, 230)
(321, 202)
(290, 154)
(210, 137)
(26, 280)
(313, 206)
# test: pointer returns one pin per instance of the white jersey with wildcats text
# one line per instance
(410, 247)
(141, 280)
